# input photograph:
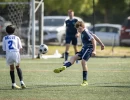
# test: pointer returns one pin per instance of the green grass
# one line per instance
(109, 79)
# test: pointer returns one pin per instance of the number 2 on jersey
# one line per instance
(10, 44)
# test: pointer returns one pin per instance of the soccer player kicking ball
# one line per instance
(12, 45)
(88, 50)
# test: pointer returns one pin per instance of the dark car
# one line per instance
(125, 32)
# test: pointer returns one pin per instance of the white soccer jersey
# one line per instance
(11, 43)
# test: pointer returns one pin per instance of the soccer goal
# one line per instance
(27, 16)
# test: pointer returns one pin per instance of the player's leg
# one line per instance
(12, 75)
(19, 71)
(67, 64)
(84, 73)
(38, 56)
(66, 54)
(86, 54)
(10, 62)
(75, 48)
(74, 43)
(72, 60)
(67, 46)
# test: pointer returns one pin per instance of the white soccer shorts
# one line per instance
(13, 58)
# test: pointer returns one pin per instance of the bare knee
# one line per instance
(17, 66)
(11, 67)
(73, 59)
(84, 65)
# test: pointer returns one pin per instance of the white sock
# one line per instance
(21, 82)
(14, 84)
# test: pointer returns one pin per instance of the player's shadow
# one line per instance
(116, 86)
(8, 89)
(53, 86)
(40, 86)
(1, 89)
(112, 84)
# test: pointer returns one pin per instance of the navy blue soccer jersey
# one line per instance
(70, 27)
(86, 37)
(87, 49)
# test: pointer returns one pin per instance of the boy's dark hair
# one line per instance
(10, 29)
(79, 23)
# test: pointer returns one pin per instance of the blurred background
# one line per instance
(108, 19)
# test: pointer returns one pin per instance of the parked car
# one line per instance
(47, 38)
(108, 33)
(56, 25)
(125, 32)
(54, 29)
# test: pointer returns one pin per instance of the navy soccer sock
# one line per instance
(66, 56)
(19, 71)
(12, 76)
(85, 75)
(68, 64)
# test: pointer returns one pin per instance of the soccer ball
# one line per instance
(43, 48)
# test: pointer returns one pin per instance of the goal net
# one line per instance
(19, 13)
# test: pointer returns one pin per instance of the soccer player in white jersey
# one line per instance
(12, 45)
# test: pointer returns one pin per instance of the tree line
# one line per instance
(105, 11)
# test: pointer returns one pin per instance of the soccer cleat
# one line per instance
(16, 87)
(38, 56)
(23, 86)
(85, 83)
(58, 70)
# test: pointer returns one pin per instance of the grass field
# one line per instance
(109, 79)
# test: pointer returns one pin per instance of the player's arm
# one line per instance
(4, 47)
(77, 34)
(94, 46)
(66, 26)
(19, 45)
(99, 41)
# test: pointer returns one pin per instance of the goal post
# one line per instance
(34, 10)
(33, 29)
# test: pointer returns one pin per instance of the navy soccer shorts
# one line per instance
(72, 39)
(85, 53)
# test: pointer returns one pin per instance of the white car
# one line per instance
(108, 33)
(56, 26)
(48, 37)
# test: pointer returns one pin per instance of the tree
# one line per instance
(109, 8)
(62, 6)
